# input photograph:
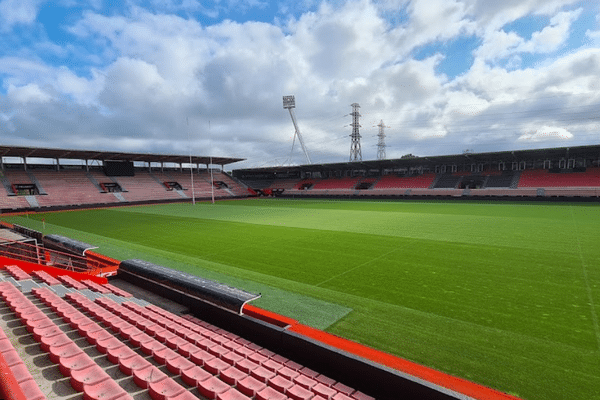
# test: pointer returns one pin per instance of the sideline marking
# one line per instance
(587, 283)
(355, 268)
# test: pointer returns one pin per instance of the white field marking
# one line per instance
(587, 283)
(355, 268)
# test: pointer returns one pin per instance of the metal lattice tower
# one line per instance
(289, 103)
(355, 151)
(381, 143)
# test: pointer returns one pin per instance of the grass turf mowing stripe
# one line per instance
(493, 292)
(587, 283)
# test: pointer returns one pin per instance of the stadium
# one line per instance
(468, 276)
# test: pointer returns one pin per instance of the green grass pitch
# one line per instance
(503, 294)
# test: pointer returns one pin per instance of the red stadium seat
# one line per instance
(31, 390)
(128, 365)
(64, 351)
(361, 396)
(340, 387)
(138, 339)
(165, 389)
(215, 366)
(249, 386)
(297, 392)
(244, 351)
(325, 380)
(94, 336)
(91, 375)
(232, 375)
(187, 349)
(262, 374)
(294, 365)
(258, 358)
(231, 358)
(194, 375)
(323, 391)
(272, 365)
(211, 387)
(200, 357)
(162, 355)
(120, 353)
(105, 390)
(280, 384)
(179, 364)
(75, 363)
(270, 394)
(246, 365)
(144, 376)
(341, 396)
(288, 373)
(232, 394)
(176, 341)
(305, 381)
(151, 346)
(58, 340)
(103, 345)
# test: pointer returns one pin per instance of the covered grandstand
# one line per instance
(541, 173)
(46, 179)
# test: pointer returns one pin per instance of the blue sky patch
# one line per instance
(526, 26)
(458, 55)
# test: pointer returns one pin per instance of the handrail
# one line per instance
(40, 255)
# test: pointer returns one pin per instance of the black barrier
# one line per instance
(66, 244)
(215, 293)
(28, 232)
(367, 376)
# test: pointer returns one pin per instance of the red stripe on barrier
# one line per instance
(268, 316)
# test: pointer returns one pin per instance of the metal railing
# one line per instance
(34, 253)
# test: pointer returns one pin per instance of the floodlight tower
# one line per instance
(381, 143)
(289, 103)
(355, 151)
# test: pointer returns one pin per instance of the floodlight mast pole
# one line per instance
(191, 166)
(381, 143)
(289, 103)
(355, 151)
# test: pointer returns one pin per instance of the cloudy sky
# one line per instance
(167, 76)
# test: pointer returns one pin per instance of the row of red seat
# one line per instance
(233, 359)
(44, 276)
(541, 178)
(220, 364)
(61, 348)
(17, 273)
(85, 376)
(19, 370)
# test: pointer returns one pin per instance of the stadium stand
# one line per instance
(159, 355)
(447, 181)
(333, 183)
(546, 179)
(409, 182)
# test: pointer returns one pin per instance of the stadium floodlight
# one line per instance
(289, 103)
(355, 150)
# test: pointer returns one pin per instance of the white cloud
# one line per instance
(553, 36)
(545, 133)
(493, 15)
(14, 12)
(158, 70)
(30, 93)
(498, 44)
